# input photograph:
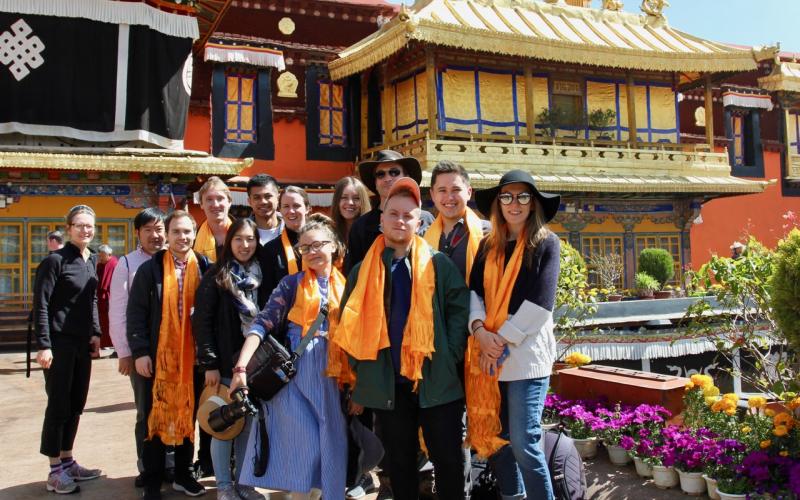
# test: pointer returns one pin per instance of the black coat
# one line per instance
(216, 326)
(144, 305)
(274, 265)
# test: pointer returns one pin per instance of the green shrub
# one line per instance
(658, 263)
(785, 287)
(646, 283)
(573, 276)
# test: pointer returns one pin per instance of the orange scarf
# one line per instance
(363, 327)
(172, 416)
(205, 243)
(475, 234)
(483, 391)
(291, 258)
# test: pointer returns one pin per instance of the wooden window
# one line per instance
(602, 245)
(37, 245)
(240, 108)
(332, 130)
(738, 140)
(670, 243)
(10, 258)
(113, 234)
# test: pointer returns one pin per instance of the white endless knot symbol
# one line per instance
(18, 50)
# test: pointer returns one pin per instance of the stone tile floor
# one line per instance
(105, 440)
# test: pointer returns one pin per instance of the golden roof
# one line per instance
(548, 31)
(146, 162)
(785, 76)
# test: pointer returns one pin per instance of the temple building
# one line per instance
(95, 105)
(586, 99)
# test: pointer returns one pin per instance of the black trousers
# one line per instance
(67, 385)
(204, 443)
(441, 428)
(153, 453)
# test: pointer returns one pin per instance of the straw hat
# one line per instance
(210, 400)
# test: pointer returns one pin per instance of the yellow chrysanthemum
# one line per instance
(578, 359)
(780, 430)
(769, 412)
(711, 400)
(731, 396)
(757, 402)
(711, 391)
(746, 429)
(730, 411)
(794, 404)
(783, 419)
(689, 386)
(702, 381)
(765, 444)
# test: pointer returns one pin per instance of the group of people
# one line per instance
(438, 334)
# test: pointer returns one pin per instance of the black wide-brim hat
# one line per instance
(366, 169)
(485, 197)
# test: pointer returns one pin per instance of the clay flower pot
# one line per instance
(665, 477)
(662, 294)
(614, 297)
(692, 483)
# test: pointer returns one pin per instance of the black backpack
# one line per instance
(563, 460)
(566, 467)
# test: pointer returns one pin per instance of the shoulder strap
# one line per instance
(323, 313)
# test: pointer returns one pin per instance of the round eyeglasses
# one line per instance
(508, 198)
(314, 247)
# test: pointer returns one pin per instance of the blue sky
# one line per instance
(746, 22)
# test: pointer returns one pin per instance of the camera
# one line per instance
(225, 416)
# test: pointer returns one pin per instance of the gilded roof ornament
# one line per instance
(615, 5)
(654, 8)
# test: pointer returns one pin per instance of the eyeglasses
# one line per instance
(84, 227)
(508, 198)
(394, 172)
(314, 247)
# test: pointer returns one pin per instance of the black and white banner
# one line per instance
(70, 74)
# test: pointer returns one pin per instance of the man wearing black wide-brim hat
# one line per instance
(379, 175)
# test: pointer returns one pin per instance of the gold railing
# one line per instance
(568, 156)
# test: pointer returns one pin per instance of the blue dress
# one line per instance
(305, 423)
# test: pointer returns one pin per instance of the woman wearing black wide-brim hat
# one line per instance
(512, 347)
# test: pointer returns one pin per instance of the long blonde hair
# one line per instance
(338, 219)
(536, 230)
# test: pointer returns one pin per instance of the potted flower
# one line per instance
(617, 426)
(609, 269)
(647, 423)
(729, 453)
(646, 285)
(663, 460)
(657, 263)
(583, 427)
(553, 404)
(693, 450)
(733, 486)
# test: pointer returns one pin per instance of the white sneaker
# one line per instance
(62, 483)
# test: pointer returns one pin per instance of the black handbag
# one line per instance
(273, 366)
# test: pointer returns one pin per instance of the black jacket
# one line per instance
(144, 305)
(65, 298)
(274, 266)
(216, 326)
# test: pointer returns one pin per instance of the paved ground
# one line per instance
(105, 440)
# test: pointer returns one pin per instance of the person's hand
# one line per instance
(487, 364)
(238, 380)
(45, 358)
(125, 365)
(212, 378)
(144, 366)
(354, 408)
(94, 342)
(491, 343)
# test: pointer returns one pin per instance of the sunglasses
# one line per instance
(508, 198)
(314, 247)
(393, 172)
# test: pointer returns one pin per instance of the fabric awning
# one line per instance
(785, 76)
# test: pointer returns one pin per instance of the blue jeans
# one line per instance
(521, 467)
(221, 452)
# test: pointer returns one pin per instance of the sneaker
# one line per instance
(78, 473)
(62, 483)
(189, 486)
(249, 493)
(228, 493)
(363, 486)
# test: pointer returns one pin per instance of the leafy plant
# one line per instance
(784, 283)
(550, 119)
(608, 269)
(658, 263)
(742, 323)
(600, 119)
(575, 302)
(646, 284)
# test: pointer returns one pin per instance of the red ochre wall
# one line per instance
(290, 164)
(726, 220)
